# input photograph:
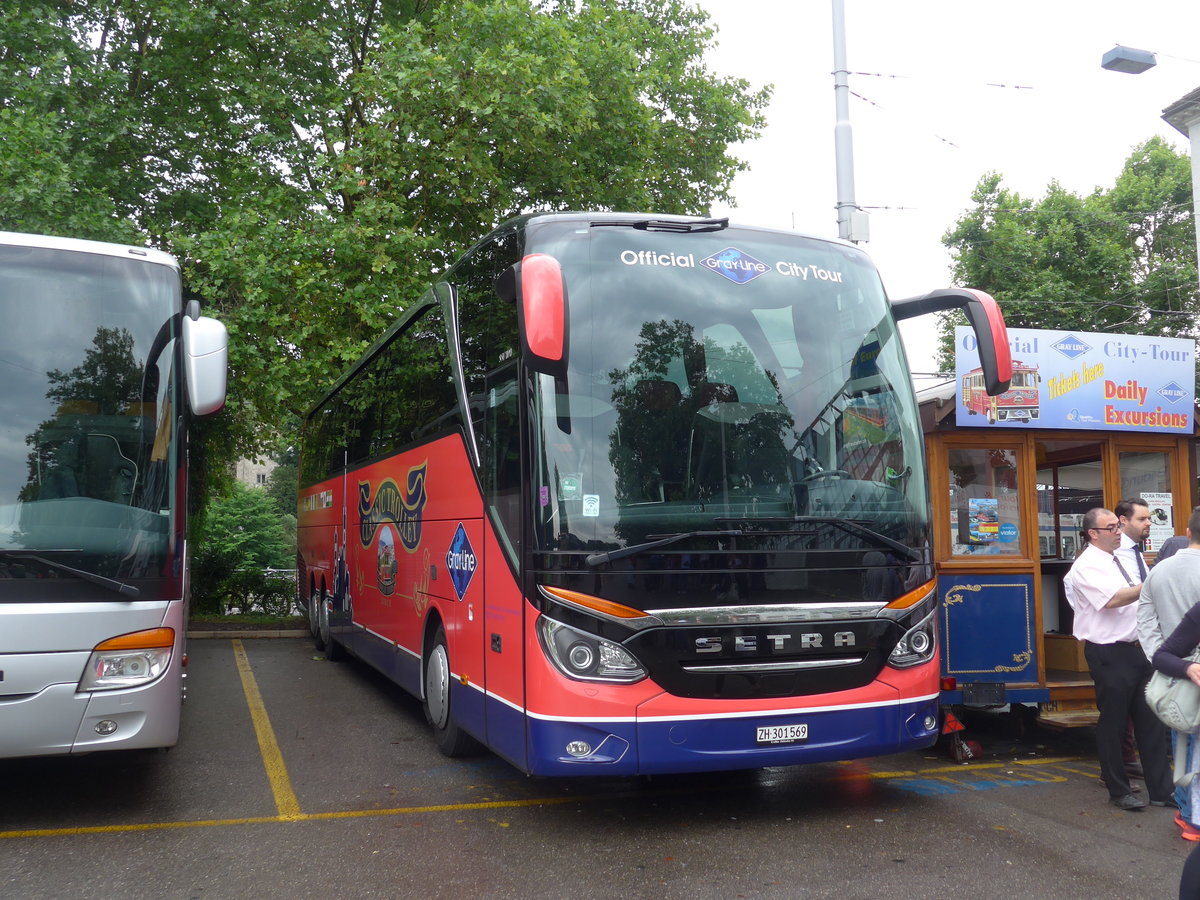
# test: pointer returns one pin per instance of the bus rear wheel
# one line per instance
(450, 739)
(324, 636)
(314, 601)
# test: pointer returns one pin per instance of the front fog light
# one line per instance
(586, 657)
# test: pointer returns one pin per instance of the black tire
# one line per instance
(314, 599)
(324, 639)
(450, 739)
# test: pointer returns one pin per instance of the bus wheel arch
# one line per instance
(436, 694)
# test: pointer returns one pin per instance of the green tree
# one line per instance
(1120, 260)
(245, 528)
(314, 163)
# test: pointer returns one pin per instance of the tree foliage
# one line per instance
(1120, 260)
(245, 526)
(314, 162)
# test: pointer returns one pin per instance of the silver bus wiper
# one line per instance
(852, 527)
(595, 559)
(127, 590)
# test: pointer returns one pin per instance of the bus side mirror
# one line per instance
(536, 284)
(985, 317)
(205, 363)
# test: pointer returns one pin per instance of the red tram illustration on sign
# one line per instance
(1020, 403)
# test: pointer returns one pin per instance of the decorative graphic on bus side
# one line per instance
(385, 562)
(392, 505)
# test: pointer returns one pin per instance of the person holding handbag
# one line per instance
(1171, 659)
(1169, 591)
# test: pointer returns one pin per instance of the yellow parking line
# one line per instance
(974, 766)
(302, 817)
(281, 785)
(297, 816)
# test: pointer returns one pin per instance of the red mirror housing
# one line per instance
(983, 312)
(542, 313)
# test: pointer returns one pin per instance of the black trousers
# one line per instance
(1120, 672)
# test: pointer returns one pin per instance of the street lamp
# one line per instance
(1128, 60)
(1183, 115)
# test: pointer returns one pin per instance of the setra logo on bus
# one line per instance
(402, 509)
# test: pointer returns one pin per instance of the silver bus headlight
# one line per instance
(128, 661)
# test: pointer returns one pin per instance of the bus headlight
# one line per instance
(130, 660)
(918, 644)
(586, 657)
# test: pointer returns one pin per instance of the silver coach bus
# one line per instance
(102, 368)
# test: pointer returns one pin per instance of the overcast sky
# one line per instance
(958, 88)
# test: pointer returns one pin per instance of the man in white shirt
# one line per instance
(1134, 516)
(1106, 595)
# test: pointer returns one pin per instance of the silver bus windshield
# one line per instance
(88, 446)
(725, 383)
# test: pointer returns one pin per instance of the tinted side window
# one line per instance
(403, 394)
(413, 385)
(487, 325)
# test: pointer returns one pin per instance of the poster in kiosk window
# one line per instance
(1081, 380)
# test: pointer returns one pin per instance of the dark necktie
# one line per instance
(1121, 568)
(1137, 552)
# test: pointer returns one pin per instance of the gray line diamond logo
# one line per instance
(1071, 347)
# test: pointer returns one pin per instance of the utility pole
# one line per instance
(852, 222)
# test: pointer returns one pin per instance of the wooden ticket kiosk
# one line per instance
(1007, 504)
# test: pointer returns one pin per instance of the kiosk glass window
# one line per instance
(1070, 481)
(984, 503)
(1147, 474)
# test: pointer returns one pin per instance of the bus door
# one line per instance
(505, 501)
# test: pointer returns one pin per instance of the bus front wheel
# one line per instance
(451, 739)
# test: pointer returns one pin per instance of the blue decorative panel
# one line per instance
(987, 627)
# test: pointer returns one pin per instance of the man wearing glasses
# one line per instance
(1104, 595)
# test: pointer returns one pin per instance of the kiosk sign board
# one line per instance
(1082, 380)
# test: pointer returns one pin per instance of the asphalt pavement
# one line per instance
(299, 777)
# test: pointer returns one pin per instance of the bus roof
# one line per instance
(47, 242)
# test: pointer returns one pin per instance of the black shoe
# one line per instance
(1134, 770)
(1170, 804)
(1129, 803)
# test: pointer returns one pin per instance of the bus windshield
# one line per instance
(87, 418)
(732, 382)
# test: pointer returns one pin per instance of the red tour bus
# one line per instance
(597, 500)
(1020, 403)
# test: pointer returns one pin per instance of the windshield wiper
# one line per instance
(595, 559)
(119, 587)
(692, 226)
(853, 527)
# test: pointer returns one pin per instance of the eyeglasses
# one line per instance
(1111, 529)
